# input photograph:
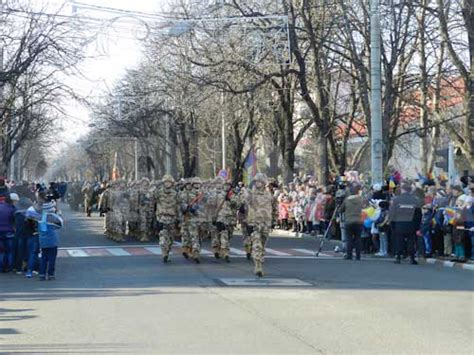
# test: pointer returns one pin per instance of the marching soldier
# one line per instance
(225, 218)
(121, 209)
(259, 219)
(105, 206)
(166, 214)
(191, 203)
(133, 216)
(146, 210)
(88, 193)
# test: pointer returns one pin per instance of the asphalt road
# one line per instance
(135, 304)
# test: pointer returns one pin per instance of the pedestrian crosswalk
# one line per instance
(148, 250)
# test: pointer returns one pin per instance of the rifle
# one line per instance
(226, 198)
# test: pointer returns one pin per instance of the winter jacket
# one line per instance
(405, 212)
(47, 222)
(7, 218)
(352, 209)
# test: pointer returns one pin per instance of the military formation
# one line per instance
(190, 210)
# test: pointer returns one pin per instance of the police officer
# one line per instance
(405, 217)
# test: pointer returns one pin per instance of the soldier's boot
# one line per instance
(196, 257)
(226, 256)
(248, 251)
(144, 238)
(186, 252)
(216, 252)
(166, 258)
(120, 238)
(258, 268)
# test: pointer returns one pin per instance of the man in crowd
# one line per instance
(405, 217)
(352, 209)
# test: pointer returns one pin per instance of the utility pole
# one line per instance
(223, 133)
(136, 159)
(376, 94)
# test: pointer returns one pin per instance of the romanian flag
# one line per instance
(391, 183)
(250, 167)
(450, 216)
(115, 171)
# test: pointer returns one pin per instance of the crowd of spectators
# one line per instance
(29, 219)
(364, 217)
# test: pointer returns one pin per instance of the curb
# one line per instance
(449, 264)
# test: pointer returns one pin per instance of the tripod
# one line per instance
(326, 233)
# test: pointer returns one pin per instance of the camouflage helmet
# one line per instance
(167, 178)
(260, 177)
(196, 180)
(144, 182)
(218, 180)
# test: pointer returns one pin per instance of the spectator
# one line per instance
(352, 209)
(405, 218)
(27, 240)
(427, 229)
(47, 221)
(7, 234)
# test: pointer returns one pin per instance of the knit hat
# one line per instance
(377, 187)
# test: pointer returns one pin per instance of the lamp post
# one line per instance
(376, 94)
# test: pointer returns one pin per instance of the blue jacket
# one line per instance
(48, 237)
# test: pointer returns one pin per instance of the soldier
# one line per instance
(191, 205)
(225, 218)
(133, 216)
(121, 209)
(146, 210)
(105, 207)
(166, 214)
(259, 219)
(242, 217)
(88, 193)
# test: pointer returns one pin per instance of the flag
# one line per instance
(115, 171)
(450, 216)
(391, 183)
(250, 167)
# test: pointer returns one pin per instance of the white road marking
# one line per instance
(237, 251)
(265, 282)
(306, 251)
(118, 252)
(276, 252)
(154, 250)
(77, 253)
(468, 267)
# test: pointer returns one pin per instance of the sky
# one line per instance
(116, 52)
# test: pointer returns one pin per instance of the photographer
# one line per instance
(352, 209)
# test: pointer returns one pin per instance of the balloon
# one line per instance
(368, 223)
(370, 212)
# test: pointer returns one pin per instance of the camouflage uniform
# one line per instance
(225, 218)
(166, 214)
(146, 210)
(133, 215)
(259, 219)
(104, 205)
(121, 210)
(88, 193)
(191, 202)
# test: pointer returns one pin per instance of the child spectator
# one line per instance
(383, 225)
(47, 221)
(427, 229)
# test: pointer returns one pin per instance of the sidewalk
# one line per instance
(445, 262)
